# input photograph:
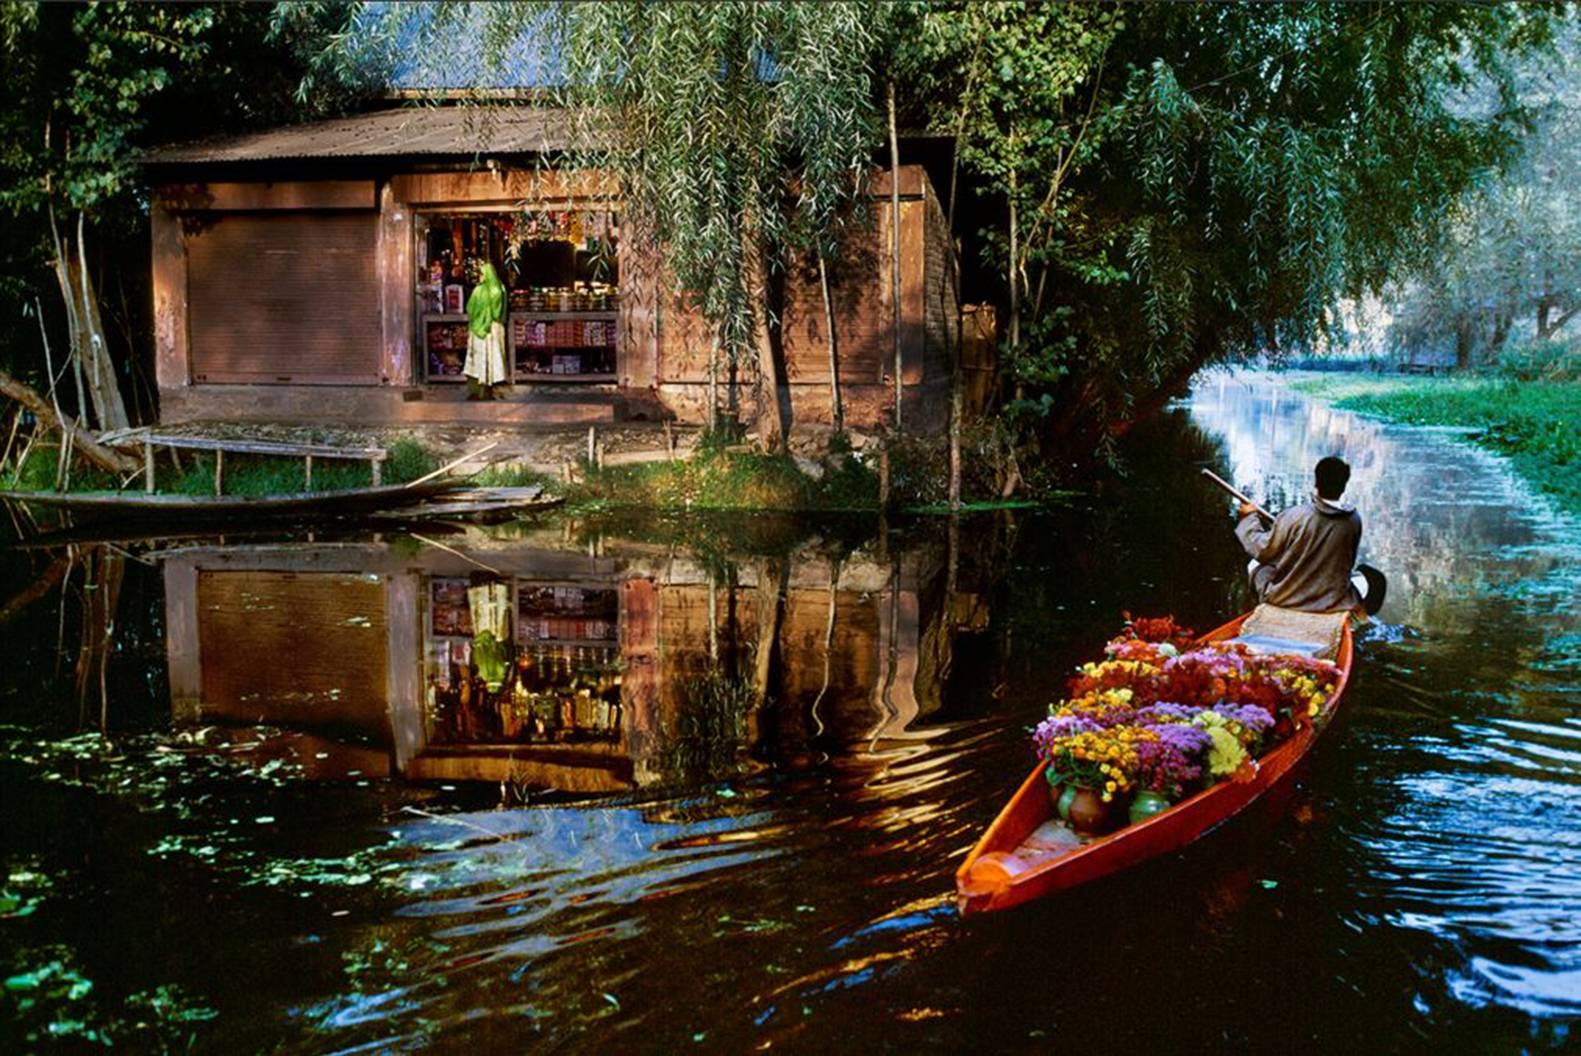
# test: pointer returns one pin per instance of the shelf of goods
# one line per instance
(563, 346)
(444, 346)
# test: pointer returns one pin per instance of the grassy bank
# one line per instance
(720, 480)
(1536, 423)
(719, 475)
(245, 475)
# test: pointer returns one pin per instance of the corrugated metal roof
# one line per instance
(444, 130)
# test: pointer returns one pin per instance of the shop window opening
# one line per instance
(561, 269)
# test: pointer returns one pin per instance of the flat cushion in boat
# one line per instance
(1271, 629)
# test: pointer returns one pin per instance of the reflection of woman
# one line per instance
(485, 367)
(490, 603)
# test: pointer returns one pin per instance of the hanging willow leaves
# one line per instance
(740, 131)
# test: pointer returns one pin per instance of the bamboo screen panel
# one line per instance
(305, 649)
(281, 298)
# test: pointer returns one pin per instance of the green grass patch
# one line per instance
(718, 480)
(1536, 423)
(989, 505)
(39, 470)
(245, 475)
(514, 476)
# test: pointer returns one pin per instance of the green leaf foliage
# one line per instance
(740, 131)
(1200, 182)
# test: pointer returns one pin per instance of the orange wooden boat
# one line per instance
(1011, 864)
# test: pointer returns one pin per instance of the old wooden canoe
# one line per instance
(132, 504)
(1006, 868)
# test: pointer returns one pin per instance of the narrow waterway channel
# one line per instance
(717, 803)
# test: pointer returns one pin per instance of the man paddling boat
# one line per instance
(1305, 557)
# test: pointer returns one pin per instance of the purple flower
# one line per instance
(1054, 728)
(1255, 719)
(1164, 714)
(1190, 741)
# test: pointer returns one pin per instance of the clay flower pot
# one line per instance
(1060, 796)
(1089, 815)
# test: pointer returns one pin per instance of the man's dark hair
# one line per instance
(1332, 476)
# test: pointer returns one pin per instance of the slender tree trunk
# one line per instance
(1502, 320)
(894, 243)
(1551, 325)
(1545, 305)
(773, 577)
(828, 646)
(1015, 288)
(713, 384)
(41, 586)
(956, 410)
(837, 409)
(94, 374)
(771, 422)
(105, 458)
(108, 404)
(1463, 345)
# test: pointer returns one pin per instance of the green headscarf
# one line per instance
(486, 306)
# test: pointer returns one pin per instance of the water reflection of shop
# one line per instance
(545, 667)
(373, 656)
(533, 677)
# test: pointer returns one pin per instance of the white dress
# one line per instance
(486, 357)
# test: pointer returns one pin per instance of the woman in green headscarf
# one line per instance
(485, 367)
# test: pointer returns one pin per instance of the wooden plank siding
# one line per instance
(864, 320)
(266, 293)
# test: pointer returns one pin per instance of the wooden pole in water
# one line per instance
(448, 466)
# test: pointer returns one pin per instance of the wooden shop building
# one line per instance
(318, 273)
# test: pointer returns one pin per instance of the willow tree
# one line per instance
(741, 132)
(1210, 178)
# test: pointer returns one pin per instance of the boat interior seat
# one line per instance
(1262, 643)
(1271, 629)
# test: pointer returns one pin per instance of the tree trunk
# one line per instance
(836, 408)
(41, 586)
(1551, 326)
(105, 458)
(771, 422)
(108, 404)
(95, 373)
(894, 243)
(1015, 286)
(1463, 345)
(1502, 320)
(713, 384)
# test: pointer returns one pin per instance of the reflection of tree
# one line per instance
(707, 737)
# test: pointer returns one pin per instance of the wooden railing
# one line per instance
(148, 440)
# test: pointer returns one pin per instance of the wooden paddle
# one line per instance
(1227, 486)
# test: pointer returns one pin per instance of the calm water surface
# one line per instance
(711, 795)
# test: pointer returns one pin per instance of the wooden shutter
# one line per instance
(308, 649)
(284, 298)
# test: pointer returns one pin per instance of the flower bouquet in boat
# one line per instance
(1159, 740)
